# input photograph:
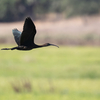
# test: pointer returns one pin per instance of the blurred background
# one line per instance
(70, 72)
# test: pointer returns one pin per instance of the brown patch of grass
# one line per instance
(74, 31)
(22, 86)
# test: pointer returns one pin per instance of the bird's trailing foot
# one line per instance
(9, 48)
(6, 49)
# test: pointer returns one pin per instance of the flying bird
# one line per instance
(25, 40)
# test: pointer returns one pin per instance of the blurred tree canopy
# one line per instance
(84, 7)
(14, 10)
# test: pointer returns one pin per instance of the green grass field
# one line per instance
(67, 73)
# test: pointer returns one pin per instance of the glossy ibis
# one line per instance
(25, 40)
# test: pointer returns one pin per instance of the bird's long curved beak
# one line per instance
(54, 45)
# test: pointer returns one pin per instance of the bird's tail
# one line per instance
(6, 49)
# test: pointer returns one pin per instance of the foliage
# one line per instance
(18, 9)
(84, 7)
(13, 10)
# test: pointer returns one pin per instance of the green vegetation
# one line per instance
(84, 7)
(14, 10)
(67, 73)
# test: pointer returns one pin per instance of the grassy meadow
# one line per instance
(65, 73)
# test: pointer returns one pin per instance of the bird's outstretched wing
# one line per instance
(17, 35)
(29, 31)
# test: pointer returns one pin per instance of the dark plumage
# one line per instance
(25, 40)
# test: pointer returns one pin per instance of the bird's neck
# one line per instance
(39, 46)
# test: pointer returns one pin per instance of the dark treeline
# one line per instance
(15, 10)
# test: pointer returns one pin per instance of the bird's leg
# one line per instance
(19, 47)
(14, 48)
(9, 48)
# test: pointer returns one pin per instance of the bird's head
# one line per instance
(48, 44)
